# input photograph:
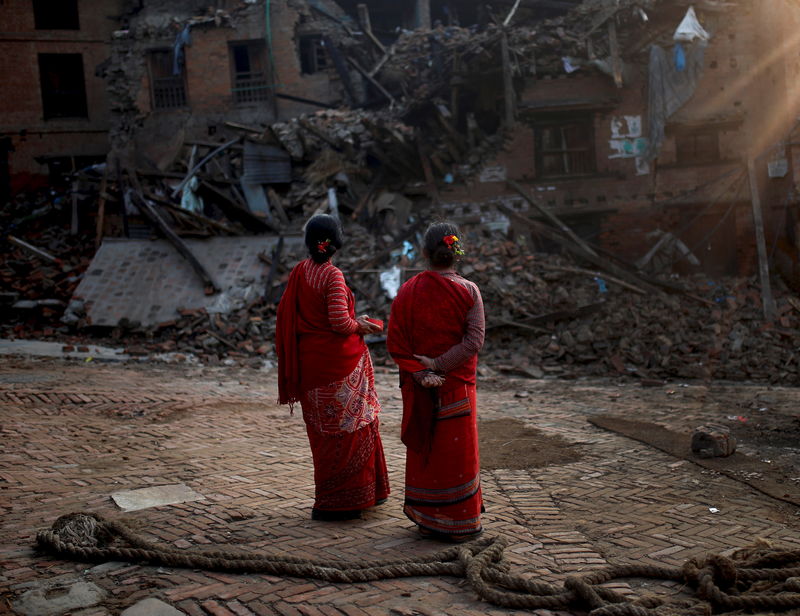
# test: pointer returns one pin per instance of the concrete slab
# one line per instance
(156, 496)
(37, 348)
(152, 607)
(146, 281)
(53, 600)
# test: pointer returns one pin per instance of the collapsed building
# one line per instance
(644, 137)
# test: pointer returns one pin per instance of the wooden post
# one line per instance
(424, 14)
(511, 14)
(366, 25)
(763, 263)
(101, 208)
(123, 201)
(613, 45)
(426, 167)
(508, 85)
(73, 229)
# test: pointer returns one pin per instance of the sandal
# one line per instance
(335, 516)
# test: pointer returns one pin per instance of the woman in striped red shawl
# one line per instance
(435, 332)
(324, 364)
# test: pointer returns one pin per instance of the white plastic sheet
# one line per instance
(390, 281)
(690, 29)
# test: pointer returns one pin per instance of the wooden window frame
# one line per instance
(574, 164)
(313, 55)
(251, 86)
(166, 91)
(65, 102)
(687, 152)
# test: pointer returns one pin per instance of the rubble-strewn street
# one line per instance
(76, 433)
(619, 178)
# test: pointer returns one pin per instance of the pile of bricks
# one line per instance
(34, 290)
(545, 317)
(243, 337)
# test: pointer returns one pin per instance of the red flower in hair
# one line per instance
(323, 246)
(453, 243)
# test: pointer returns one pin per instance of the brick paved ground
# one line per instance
(72, 434)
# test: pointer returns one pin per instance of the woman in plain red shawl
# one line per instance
(324, 364)
(435, 332)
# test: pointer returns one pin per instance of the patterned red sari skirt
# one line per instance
(443, 489)
(342, 425)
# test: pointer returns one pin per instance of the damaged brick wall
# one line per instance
(151, 129)
(745, 103)
(38, 127)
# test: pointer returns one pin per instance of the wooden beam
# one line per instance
(606, 277)
(613, 46)
(373, 81)
(552, 218)
(377, 68)
(569, 245)
(423, 13)
(234, 211)
(510, 16)
(426, 167)
(101, 208)
(155, 218)
(508, 84)
(73, 229)
(305, 101)
(341, 68)
(366, 25)
(763, 262)
(274, 200)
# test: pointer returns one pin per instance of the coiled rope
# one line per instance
(759, 578)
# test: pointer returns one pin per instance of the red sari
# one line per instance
(439, 429)
(326, 366)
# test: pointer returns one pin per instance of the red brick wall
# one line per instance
(746, 76)
(208, 70)
(322, 86)
(21, 103)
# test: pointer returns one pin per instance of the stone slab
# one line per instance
(53, 600)
(152, 607)
(147, 281)
(155, 496)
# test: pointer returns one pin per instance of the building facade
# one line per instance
(54, 112)
(579, 142)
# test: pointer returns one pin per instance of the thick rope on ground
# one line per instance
(757, 579)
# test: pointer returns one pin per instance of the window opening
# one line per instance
(63, 86)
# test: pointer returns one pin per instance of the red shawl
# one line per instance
(428, 318)
(310, 353)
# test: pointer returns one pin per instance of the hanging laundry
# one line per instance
(680, 58)
(183, 39)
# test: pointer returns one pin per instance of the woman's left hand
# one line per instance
(367, 327)
(426, 361)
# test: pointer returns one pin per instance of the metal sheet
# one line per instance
(266, 164)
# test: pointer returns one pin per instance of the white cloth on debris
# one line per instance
(690, 29)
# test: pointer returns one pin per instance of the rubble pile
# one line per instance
(41, 264)
(546, 319)
(307, 136)
(546, 316)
